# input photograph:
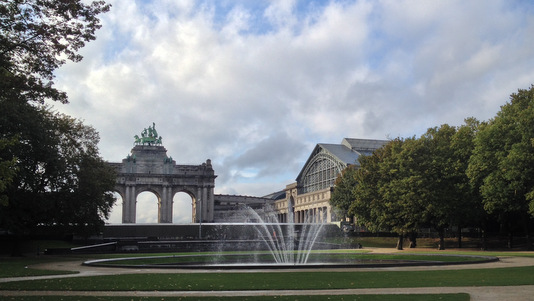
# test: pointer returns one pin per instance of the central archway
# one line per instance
(148, 205)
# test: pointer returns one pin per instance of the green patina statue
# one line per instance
(149, 136)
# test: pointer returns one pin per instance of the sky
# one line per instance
(255, 85)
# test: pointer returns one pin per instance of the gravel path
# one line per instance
(518, 293)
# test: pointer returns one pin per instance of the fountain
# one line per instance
(282, 244)
(285, 245)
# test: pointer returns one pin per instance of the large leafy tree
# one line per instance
(413, 183)
(468, 211)
(384, 198)
(366, 201)
(37, 37)
(54, 175)
(8, 169)
(341, 198)
(449, 197)
(60, 180)
(502, 165)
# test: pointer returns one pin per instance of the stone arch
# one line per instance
(149, 168)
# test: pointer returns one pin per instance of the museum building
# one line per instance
(309, 196)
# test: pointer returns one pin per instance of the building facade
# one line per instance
(308, 199)
(148, 168)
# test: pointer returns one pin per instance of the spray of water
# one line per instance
(282, 244)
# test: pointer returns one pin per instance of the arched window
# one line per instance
(320, 173)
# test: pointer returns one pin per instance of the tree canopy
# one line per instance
(37, 37)
(450, 176)
(414, 182)
(51, 171)
(60, 179)
(341, 198)
(502, 164)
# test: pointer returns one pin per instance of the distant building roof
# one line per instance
(276, 195)
(343, 154)
(363, 146)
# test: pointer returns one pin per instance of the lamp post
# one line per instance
(200, 220)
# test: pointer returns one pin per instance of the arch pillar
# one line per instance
(165, 208)
(129, 204)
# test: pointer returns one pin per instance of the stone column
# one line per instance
(165, 213)
(205, 205)
(129, 204)
(211, 202)
(126, 205)
(199, 216)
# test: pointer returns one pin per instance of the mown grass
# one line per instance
(21, 267)
(391, 242)
(422, 297)
(284, 281)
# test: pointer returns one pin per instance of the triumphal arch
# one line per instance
(148, 168)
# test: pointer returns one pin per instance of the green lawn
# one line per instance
(443, 297)
(21, 267)
(282, 281)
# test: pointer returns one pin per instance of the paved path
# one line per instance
(517, 293)
(487, 293)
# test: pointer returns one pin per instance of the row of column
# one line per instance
(314, 215)
(203, 204)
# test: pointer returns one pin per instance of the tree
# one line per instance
(366, 200)
(383, 197)
(58, 177)
(36, 38)
(413, 183)
(448, 193)
(61, 180)
(341, 198)
(8, 169)
(469, 211)
(502, 165)
(407, 188)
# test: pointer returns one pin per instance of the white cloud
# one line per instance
(255, 85)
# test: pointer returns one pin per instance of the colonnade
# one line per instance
(312, 215)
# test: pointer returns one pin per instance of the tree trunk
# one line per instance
(484, 236)
(400, 242)
(526, 224)
(510, 243)
(441, 245)
(459, 237)
(413, 239)
(16, 248)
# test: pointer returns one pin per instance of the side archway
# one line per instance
(115, 214)
(182, 207)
